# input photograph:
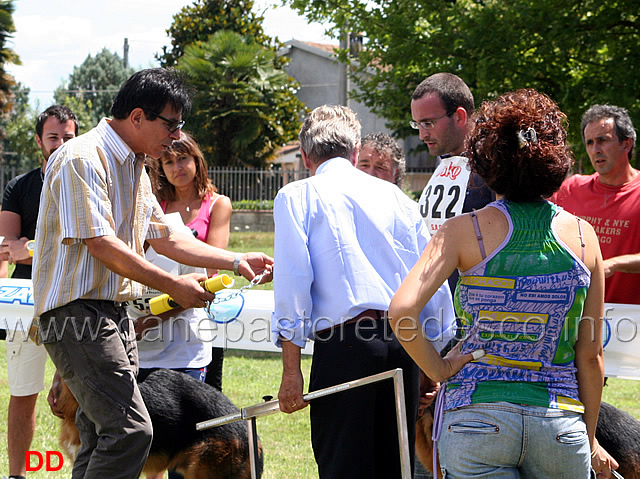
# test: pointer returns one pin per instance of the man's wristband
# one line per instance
(236, 264)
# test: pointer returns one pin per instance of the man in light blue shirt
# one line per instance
(344, 242)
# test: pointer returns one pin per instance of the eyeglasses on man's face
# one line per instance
(427, 124)
(172, 125)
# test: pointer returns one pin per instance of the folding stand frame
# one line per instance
(251, 413)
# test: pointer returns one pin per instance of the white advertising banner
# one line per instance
(244, 322)
(621, 340)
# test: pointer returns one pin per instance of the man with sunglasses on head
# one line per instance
(97, 211)
(441, 108)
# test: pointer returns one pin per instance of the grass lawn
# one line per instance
(248, 376)
(246, 242)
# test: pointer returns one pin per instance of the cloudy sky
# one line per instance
(53, 36)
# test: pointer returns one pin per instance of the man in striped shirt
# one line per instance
(97, 210)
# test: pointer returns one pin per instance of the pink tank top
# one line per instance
(200, 224)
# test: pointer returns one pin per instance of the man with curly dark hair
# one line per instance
(381, 156)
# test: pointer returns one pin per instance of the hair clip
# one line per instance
(526, 137)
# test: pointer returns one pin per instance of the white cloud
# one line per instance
(52, 36)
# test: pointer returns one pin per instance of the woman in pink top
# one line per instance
(181, 183)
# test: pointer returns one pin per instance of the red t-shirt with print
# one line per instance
(614, 212)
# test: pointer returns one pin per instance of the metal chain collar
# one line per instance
(256, 280)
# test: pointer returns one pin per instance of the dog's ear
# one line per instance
(66, 402)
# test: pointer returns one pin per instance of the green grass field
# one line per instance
(248, 376)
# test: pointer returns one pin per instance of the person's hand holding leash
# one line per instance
(250, 265)
(602, 462)
(428, 392)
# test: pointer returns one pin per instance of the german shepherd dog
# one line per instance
(617, 432)
(176, 402)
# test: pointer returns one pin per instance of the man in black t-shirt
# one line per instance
(18, 218)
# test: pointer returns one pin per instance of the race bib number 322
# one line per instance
(444, 195)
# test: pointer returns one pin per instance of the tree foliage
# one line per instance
(245, 106)
(94, 84)
(579, 52)
(19, 129)
(204, 17)
(7, 55)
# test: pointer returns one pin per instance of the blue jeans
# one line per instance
(504, 440)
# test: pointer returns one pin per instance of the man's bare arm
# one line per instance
(628, 263)
(119, 258)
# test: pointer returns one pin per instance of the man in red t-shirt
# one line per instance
(610, 198)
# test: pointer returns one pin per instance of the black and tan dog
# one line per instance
(176, 403)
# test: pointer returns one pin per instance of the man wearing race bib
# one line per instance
(441, 108)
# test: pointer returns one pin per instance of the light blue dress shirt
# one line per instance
(344, 241)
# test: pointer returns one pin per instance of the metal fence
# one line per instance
(248, 183)
(252, 184)
(262, 185)
(251, 413)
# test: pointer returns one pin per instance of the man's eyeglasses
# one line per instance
(428, 124)
(171, 124)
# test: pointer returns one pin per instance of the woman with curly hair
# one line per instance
(181, 183)
(523, 386)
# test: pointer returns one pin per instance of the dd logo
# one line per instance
(47, 461)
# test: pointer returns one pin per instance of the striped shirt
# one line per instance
(94, 186)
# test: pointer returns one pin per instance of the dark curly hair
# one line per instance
(383, 143)
(186, 145)
(526, 169)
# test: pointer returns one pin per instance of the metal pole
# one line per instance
(253, 447)
(250, 413)
(401, 417)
